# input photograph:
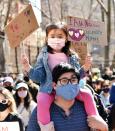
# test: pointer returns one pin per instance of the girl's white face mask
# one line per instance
(56, 43)
(22, 94)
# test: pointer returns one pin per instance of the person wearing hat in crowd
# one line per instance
(33, 87)
(24, 102)
(8, 111)
(8, 83)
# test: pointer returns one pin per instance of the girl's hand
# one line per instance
(88, 63)
(96, 122)
(25, 63)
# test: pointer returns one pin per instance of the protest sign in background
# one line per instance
(21, 26)
(82, 50)
(82, 30)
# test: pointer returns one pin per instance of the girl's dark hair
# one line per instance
(63, 68)
(27, 99)
(63, 27)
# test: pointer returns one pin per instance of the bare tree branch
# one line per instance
(92, 10)
(113, 1)
(7, 15)
(43, 13)
(50, 12)
(103, 6)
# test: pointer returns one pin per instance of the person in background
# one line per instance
(24, 102)
(98, 85)
(8, 112)
(33, 87)
(8, 83)
(105, 93)
(100, 106)
(107, 73)
(68, 113)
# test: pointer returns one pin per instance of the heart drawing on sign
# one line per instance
(71, 33)
(76, 34)
(81, 32)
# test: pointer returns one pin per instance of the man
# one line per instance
(66, 112)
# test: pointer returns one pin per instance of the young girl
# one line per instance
(56, 50)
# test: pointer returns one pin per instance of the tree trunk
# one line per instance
(2, 59)
(113, 2)
(102, 14)
(16, 59)
(107, 48)
(50, 12)
(61, 5)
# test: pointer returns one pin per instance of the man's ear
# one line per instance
(54, 85)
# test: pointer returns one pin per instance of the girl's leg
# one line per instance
(89, 103)
(44, 102)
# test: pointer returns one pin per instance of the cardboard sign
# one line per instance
(9, 126)
(81, 48)
(21, 27)
(82, 30)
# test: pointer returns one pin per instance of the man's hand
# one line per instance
(96, 122)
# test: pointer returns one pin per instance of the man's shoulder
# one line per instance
(33, 125)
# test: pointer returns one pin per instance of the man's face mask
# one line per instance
(68, 91)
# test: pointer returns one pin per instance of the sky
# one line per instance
(36, 4)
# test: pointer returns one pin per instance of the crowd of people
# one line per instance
(17, 93)
(58, 94)
(16, 100)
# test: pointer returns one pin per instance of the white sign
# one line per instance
(9, 126)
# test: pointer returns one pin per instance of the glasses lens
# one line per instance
(74, 80)
(63, 81)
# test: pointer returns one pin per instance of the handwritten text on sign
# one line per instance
(9, 126)
(21, 26)
(81, 30)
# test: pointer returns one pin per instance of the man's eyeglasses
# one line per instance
(64, 81)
